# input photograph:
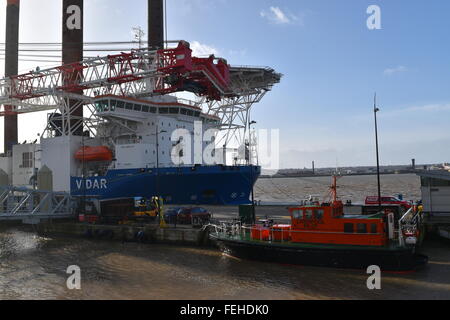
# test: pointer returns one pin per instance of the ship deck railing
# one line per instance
(410, 223)
(32, 206)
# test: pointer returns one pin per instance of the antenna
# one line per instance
(336, 172)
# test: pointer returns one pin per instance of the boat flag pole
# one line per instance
(376, 110)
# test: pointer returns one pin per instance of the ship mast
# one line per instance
(333, 189)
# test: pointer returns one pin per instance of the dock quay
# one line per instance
(150, 233)
(153, 233)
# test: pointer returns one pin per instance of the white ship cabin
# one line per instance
(132, 126)
(435, 186)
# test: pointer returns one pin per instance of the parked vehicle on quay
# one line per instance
(374, 200)
(187, 216)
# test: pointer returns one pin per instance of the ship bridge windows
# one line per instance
(120, 104)
(135, 107)
(102, 106)
(112, 105)
(190, 113)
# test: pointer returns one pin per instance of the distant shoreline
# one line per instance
(329, 175)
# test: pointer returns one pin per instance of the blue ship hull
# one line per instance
(200, 185)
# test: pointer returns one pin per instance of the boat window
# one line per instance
(318, 214)
(164, 110)
(309, 214)
(129, 106)
(362, 228)
(145, 108)
(153, 109)
(197, 114)
(183, 111)
(174, 110)
(348, 228)
(120, 105)
(337, 212)
(297, 214)
(137, 107)
(190, 113)
(373, 228)
(102, 105)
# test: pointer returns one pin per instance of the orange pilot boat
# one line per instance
(91, 154)
(321, 234)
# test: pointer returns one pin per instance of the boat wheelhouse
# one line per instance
(327, 224)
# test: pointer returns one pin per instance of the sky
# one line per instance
(332, 65)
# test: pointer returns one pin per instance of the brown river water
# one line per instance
(34, 267)
(354, 188)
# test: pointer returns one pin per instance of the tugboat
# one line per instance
(323, 235)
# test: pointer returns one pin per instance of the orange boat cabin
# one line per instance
(327, 224)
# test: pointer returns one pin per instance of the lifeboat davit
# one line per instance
(88, 154)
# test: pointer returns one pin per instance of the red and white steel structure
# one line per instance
(220, 90)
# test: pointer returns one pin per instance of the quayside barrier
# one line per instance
(33, 206)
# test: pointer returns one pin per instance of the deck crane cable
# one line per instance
(107, 43)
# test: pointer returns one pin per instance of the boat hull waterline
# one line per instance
(400, 260)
